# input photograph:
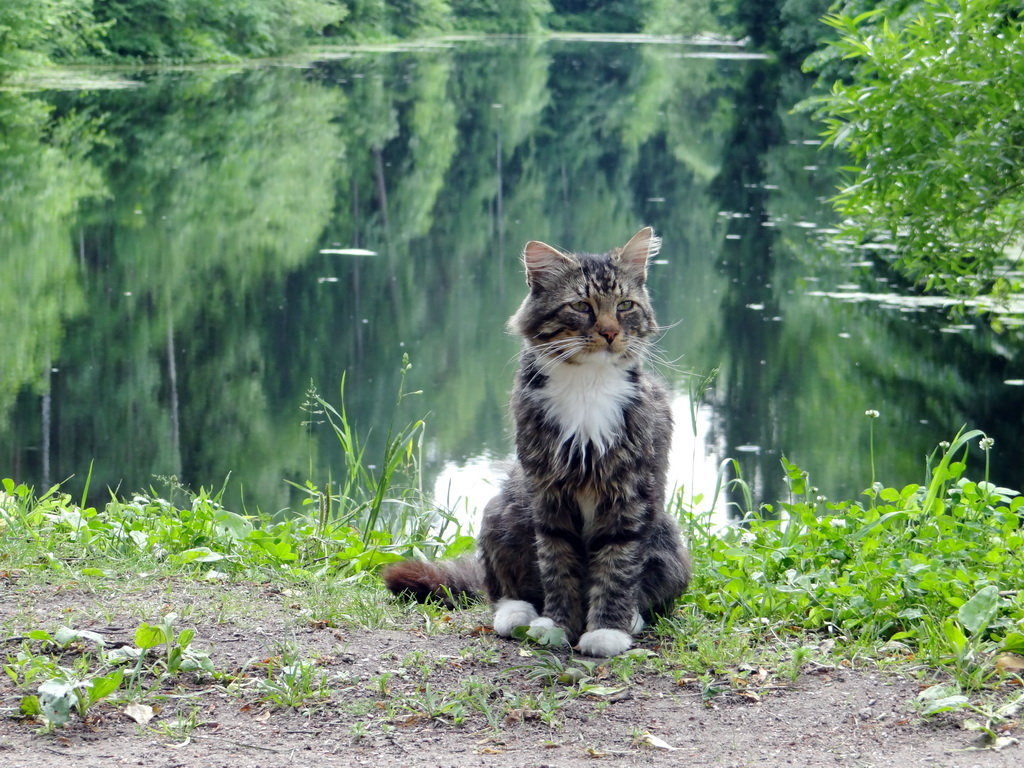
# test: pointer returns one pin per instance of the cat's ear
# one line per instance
(641, 248)
(542, 260)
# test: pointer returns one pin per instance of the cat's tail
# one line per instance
(448, 582)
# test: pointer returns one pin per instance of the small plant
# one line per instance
(179, 728)
(941, 698)
(178, 654)
(59, 696)
(292, 682)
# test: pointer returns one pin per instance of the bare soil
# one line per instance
(384, 682)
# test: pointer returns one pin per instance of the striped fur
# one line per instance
(578, 536)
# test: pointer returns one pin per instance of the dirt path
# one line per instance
(445, 693)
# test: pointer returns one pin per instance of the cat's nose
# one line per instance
(609, 334)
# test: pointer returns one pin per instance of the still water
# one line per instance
(184, 258)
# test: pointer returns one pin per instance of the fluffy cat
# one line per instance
(578, 537)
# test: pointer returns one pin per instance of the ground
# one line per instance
(375, 684)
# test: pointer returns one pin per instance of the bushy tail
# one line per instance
(448, 582)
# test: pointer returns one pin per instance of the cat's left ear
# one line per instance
(641, 248)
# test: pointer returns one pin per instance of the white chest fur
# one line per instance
(587, 400)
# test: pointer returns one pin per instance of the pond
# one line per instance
(185, 258)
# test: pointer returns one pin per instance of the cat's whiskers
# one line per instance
(563, 349)
(563, 353)
(651, 352)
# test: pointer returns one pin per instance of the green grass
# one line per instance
(925, 578)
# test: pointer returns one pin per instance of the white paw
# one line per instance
(604, 642)
(509, 614)
(637, 625)
(543, 622)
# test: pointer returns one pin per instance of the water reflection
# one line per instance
(199, 250)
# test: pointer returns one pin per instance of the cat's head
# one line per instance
(587, 304)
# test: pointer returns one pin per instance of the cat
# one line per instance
(578, 537)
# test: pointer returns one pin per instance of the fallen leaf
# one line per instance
(521, 715)
(650, 740)
(601, 691)
(997, 744)
(140, 713)
(1009, 662)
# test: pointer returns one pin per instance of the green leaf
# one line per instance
(234, 524)
(150, 636)
(546, 635)
(56, 698)
(65, 636)
(571, 676)
(459, 545)
(29, 706)
(977, 613)
(941, 698)
(101, 687)
(954, 636)
(1014, 642)
(198, 555)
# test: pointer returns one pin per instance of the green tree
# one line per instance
(204, 30)
(931, 117)
(504, 16)
(407, 18)
(34, 31)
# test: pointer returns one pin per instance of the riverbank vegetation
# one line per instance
(920, 95)
(33, 32)
(922, 578)
(927, 108)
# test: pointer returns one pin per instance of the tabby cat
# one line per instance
(578, 537)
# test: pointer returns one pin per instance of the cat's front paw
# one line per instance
(604, 642)
(509, 614)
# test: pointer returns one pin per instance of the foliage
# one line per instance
(410, 17)
(201, 30)
(292, 682)
(95, 672)
(370, 518)
(931, 568)
(932, 122)
(691, 17)
(505, 16)
(32, 31)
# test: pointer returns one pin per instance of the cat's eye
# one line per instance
(625, 306)
(580, 306)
